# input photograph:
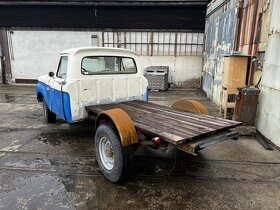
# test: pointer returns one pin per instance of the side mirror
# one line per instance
(51, 74)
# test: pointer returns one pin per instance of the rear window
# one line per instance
(108, 65)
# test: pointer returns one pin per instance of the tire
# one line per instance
(49, 116)
(120, 165)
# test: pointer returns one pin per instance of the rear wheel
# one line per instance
(114, 160)
(49, 116)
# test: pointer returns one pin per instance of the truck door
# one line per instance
(56, 85)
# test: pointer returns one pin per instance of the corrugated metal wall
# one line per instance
(268, 121)
(251, 27)
(232, 25)
(220, 33)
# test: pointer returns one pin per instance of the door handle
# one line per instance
(58, 82)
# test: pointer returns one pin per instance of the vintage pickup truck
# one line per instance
(107, 85)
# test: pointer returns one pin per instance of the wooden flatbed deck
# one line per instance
(171, 125)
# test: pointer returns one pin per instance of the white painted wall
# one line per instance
(181, 68)
(268, 120)
(34, 53)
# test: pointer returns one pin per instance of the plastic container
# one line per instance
(157, 77)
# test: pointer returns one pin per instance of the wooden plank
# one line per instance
(165, 129)
(147, 127)
(195, 118)
(173, 122)
(153, 105)
(177, 113)
(171, 138)
(235, 69)
(173, 115)
(143, 127)
(171, 125)
(161, 117)
(181, 112)
(104, 107)
(192, 120)
(162, 125)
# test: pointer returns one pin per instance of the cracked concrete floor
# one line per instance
(53, 166)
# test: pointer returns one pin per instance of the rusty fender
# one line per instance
(190, 106)
(123, 124)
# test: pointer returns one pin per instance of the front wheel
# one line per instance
(49, 116)
(114, 160)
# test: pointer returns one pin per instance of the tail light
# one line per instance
(156, 141)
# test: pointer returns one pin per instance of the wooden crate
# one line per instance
(235, 70)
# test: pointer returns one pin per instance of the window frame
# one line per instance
(104, 73)
(61, 57)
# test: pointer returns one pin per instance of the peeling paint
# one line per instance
(220, 31)
(222, 16)
(268, 119)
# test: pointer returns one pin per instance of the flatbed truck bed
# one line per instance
(188, 131)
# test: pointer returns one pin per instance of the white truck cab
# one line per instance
(90, 76)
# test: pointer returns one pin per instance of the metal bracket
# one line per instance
(195, 146)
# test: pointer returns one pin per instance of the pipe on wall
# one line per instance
(238, 26)
(252, 66)
(252, 33)
(5, 58)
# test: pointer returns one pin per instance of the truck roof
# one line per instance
(106, 50)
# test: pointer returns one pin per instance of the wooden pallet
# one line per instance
(171, 125)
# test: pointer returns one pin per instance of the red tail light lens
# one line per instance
(156, 141)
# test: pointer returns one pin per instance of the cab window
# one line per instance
(62, 68)
(108, 65)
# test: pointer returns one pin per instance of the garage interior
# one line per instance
(46, 166)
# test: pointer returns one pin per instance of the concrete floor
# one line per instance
(53, 166)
